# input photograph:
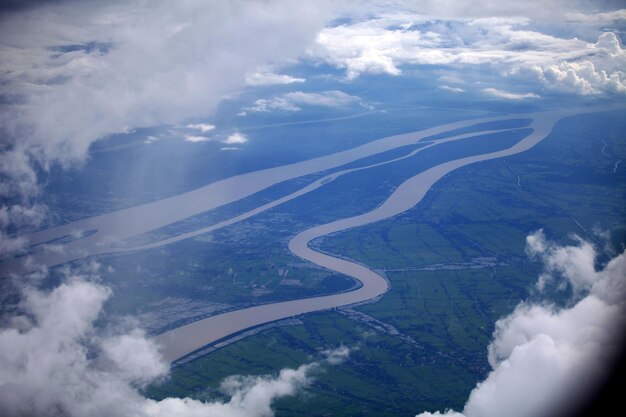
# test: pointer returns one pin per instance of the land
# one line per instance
(456, 264)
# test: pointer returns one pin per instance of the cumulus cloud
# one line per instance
(510, 44)
(294, 100)
(367, 47)
(44, 357)
(545, 357)
(55, 361)
(601, 72)
(333, 98)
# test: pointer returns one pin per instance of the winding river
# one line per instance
(107, 231)
(110, 229)
(184, 340)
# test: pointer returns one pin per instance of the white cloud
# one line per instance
(132, 357)
(269, 105)
(494, 92)
(366, 47)
(546, 358)
(601, 72)
(235, 139)
(202, 127)
(196, 138)
(45, 364)
(338, 355)
(10, 245)
(150, 139)
(451, 79)
(270, 78)
(21, 216)
(451, 89)
(294, 100)
(510, 45)
(229, 148)
(249, 396)
(447, 413)
(74, 73)
(16, 166)
(55, 361)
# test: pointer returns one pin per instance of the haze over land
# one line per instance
(457, 166)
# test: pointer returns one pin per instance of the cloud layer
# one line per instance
(546, 358)
(511, 45)
(74, 72)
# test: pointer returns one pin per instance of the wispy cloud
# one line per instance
(451, 79)
(546, 358)
(270, 78)
(294, 101)
(451, 89)
(202, 127)
(494, 92)
(196, 138)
